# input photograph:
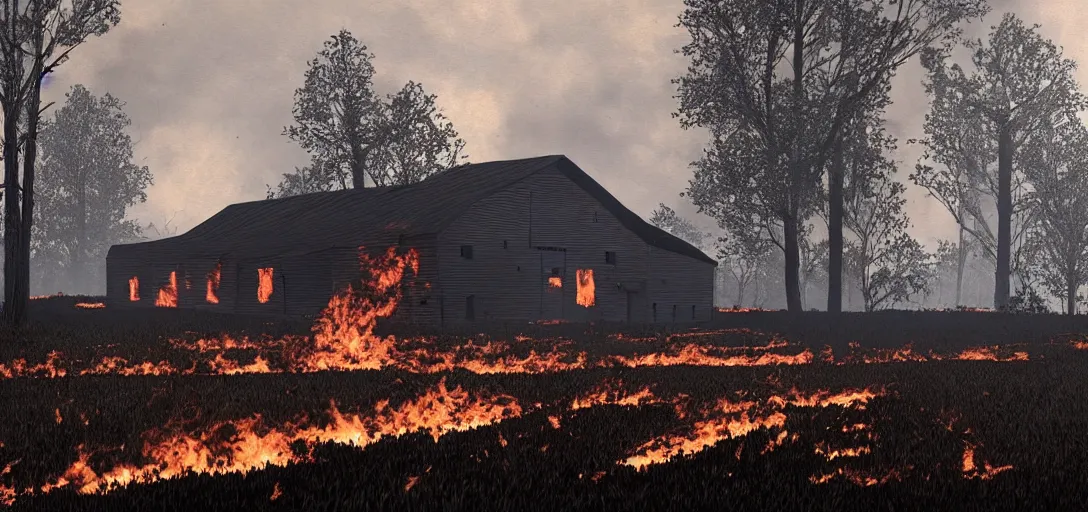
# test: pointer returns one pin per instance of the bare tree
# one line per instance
(35, 38)
(1057, 165)
(890, 265)
(667, 219)
(1021, 83)
(845, 50)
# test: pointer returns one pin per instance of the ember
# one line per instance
(90, 305)
(264, 286)
(134, 289)
(555, 282)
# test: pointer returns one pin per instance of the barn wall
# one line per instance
(678, 283)
(507, 275)
(118, 272)
(301, 284)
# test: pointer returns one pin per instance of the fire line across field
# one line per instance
(532, 239)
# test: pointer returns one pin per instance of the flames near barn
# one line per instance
(530, 239)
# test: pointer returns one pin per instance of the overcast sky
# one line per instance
(209, 87)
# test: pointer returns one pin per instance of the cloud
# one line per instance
(209, 86)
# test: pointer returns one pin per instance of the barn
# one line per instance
(530, 239)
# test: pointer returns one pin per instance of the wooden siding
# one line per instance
(419, 304)
(118, 272)
(302, 284)
(677, 281)
(509, 282)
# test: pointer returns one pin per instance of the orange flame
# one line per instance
(211, 296)
(723, 422)
(264, 288)
(134, 289)
(90, 305)
(168, 295)
(440, 410)
(586, 288)
(555, 282)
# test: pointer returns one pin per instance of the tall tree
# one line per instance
(842, 49)
(352, 134)
(87, 181)
(1020, 83)
(1057, 165)
(859, 151)
(36, 36)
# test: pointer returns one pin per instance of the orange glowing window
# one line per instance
(587, 294)
(168, 294)
(264, 285)
(134, 289)
(211, 296)
(555, 282)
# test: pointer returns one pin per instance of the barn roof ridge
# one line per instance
(279, 226)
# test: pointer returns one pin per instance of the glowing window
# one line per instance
(264, 285)
(134, 289)
(587, 294)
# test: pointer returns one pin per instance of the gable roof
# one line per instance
(312, 222)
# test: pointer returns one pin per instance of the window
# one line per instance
(594, 215)
(400, 240)
(505, 244)
(693, 312)
(466, 252)
(555, 271)
(264, 284)
(674, 312)
(470, 307)
(610, 257)
(655, 311)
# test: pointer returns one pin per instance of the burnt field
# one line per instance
(112, 409)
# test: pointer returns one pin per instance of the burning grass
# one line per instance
(588, 420)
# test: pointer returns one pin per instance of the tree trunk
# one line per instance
(961, 262)
(30, 154)
(793, 260)
(791, 220)
(1004, 216)
(835, 176)
(1071, 295)
(740, 294)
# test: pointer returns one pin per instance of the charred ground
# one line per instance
(937, 429)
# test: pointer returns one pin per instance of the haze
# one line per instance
(209, 87)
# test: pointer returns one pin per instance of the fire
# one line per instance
(168, 295)
(972, 471)
(731, 419)
(555, 282)
(90, 305)
(211, 295)
(251, 445)
(264, 287)
(134, 289)
(586, 290)
(611, 394)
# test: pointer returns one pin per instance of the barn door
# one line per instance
(553, 283)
